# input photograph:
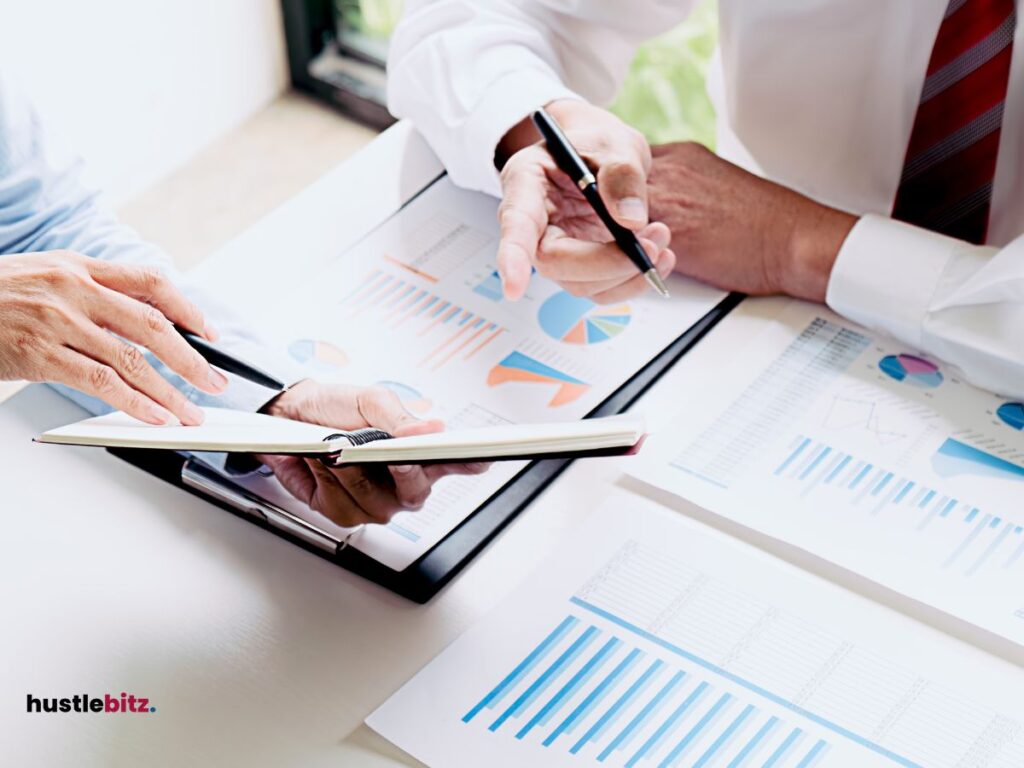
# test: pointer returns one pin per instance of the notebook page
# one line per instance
(222, 430)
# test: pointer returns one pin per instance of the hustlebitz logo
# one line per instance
(126, 703)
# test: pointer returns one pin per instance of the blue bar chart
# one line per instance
(661, 651)
(599, 693)
(490, 287)
(978, 539)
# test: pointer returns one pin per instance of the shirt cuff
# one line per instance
(242, 394)
(509, 99)
(887, 273)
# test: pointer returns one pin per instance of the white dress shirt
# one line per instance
(820, 96)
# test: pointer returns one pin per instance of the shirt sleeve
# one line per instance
(961, 303)
(467, 71)
(44, 206)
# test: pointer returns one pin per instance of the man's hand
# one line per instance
(546, 222)
(740, 232)
(59, 312)
(352, 496)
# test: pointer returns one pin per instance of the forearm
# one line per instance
(467, 72)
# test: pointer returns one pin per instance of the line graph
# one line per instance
(846, 413)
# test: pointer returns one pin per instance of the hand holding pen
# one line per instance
(548, 223)
(569, 162)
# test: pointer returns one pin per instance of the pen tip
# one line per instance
(656, 282)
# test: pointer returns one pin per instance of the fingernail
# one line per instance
(404, 469)
(514, 280)
(632, 208)
(158, 415)
(216, 379)
(211, 333)
(193, 414)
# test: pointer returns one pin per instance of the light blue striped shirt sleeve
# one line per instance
(45, 206)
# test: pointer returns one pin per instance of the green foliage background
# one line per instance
(663, 95)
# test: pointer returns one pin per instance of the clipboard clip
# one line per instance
(208, 482)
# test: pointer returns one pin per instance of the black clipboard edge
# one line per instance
(424, 578)
(479, 529)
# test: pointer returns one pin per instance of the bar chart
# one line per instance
(668, 648)
(862, 456)
(977, 539)
(804, 370)
(439, 246)
(490, 287)
(446, 331)
(641, 708)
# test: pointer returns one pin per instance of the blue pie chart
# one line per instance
(578, 320)
(1012, 415)
(912, 370)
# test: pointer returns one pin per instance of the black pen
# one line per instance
(228, 362)
(569, 161)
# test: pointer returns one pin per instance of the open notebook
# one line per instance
(241, 432)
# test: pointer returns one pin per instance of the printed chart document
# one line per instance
(865, 454)
(417, 307)
(672, 645)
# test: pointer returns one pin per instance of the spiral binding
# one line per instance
(361, 436)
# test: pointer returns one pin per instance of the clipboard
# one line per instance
(425, 577)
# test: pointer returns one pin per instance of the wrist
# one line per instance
(815, 239)
(284, 404)
(524, 133)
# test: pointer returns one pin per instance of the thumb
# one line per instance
(522, 217)
(382, 409)
(623, 186)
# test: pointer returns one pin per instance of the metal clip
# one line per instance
(199, 476)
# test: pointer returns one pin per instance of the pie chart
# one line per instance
(1012, 415)
(581, 321)
(411, 398)
(911, 370)
(320, 354)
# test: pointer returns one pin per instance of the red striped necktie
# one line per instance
(946, 184)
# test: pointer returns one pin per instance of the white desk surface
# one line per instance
(253, 651)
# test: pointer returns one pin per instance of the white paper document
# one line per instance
(417, 308)
(865, 454)
(672, 645)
